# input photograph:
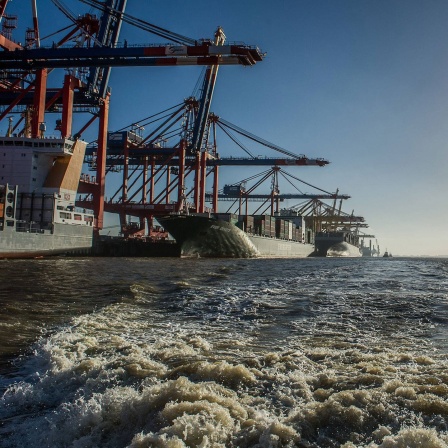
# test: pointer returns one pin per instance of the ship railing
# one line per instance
(30, 227)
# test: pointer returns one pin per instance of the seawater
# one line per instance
(119, 352)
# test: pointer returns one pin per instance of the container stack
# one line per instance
(285, 230)
(280, 229)
(228, 217)
(289, 227)
(246, 223)
(265, 225)
(297, 234)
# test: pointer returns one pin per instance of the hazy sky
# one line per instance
(362, 83)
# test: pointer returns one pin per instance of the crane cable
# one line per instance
(290, 183)
(129, 126)
(142, 24)
(260, 140)
(72, 17)
(306, 183)
(251, 178)
(236, 141)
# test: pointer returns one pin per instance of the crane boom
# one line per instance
(281, 197)
(30, 59)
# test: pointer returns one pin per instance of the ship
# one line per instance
(236, 236)
(371, 250)
(338, 233)
(337, 244)
(38, 186)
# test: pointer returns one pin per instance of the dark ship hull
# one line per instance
(336, 244)
(207, 236)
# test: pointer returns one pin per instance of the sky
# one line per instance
(361, 83)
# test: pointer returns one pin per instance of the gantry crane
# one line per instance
(324, 217)
(78, 92)
(157, 161)
(240, 195)
(27, 68)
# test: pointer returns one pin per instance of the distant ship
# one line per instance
(233, 236)
(387, 254)
(38, 185)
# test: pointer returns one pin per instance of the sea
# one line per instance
(164, 352)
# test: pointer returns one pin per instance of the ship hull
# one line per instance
(64, 239)
(343, 249)
(334, 245)
(202, 236)
(275, 247)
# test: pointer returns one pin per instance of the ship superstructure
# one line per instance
(38, 186)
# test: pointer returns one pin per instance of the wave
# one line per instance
(272, 361)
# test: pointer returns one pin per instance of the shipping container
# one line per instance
(278, 228)
(227, 217)
(265, 218)
(290, 229)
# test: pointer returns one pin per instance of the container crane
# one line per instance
(238, 193)
(99, 52)
(154, 156)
